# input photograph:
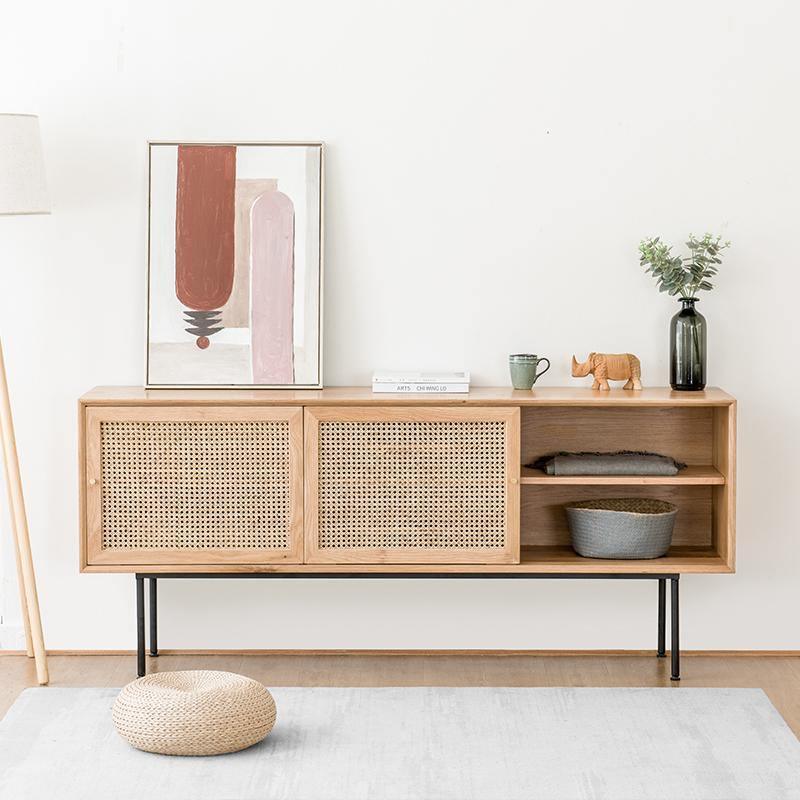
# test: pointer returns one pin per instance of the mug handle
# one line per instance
(539, 374)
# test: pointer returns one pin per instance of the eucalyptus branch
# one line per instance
(683, 275)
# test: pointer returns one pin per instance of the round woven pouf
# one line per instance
(193, 713)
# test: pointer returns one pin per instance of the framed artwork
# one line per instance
(235, 265)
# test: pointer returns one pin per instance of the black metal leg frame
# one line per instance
(662, 599)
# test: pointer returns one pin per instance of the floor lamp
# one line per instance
(22, 191)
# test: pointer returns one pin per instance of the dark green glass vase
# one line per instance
(687, 348)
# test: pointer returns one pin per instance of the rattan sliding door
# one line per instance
(209, 486)
(412, 485)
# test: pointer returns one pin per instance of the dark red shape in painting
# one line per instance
(204, 226)
(203, 342)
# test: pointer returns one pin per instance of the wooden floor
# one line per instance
(778, 676)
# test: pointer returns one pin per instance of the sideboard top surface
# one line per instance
(363, 395)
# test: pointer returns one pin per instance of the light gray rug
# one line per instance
(427, 743)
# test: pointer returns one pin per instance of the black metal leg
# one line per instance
(140, 666)
(662, 617)
(675, 648)
(153, 618)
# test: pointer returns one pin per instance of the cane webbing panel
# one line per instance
(412, 484)
(195, 485)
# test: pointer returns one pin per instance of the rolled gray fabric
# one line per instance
(623, 462)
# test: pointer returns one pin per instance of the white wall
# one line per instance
(491, 168)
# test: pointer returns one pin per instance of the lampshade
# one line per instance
(23, 189)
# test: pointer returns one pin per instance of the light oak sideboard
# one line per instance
(343, 482)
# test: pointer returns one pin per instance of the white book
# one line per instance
(410, 376)
(420, 388)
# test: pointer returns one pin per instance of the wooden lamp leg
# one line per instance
(23, 603)
(30, 604)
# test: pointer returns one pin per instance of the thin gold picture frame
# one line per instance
(321, 283)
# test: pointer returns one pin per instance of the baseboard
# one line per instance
(425, 653)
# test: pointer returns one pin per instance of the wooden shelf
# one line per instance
(691, 476)
(579, 396)
(534, 560)
(678, 559)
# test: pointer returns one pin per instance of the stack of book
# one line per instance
(420, 382)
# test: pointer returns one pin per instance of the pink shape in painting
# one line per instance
(272, 289)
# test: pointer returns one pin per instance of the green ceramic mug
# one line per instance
(523, 368)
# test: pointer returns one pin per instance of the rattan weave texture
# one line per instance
(412, 484)
(190, 485)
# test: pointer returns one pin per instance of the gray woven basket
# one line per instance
(634, 527)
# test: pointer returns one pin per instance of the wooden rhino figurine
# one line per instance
(605, 367)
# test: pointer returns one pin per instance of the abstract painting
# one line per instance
(235, 265)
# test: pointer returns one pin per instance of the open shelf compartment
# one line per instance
(703, 437)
